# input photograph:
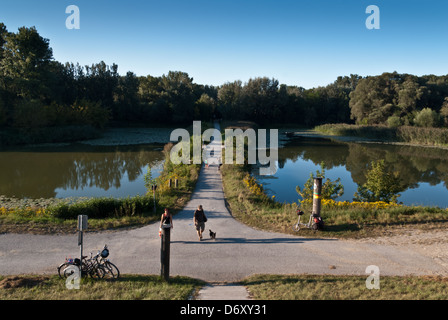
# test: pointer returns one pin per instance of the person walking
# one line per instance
(199, 220)
(167, 219)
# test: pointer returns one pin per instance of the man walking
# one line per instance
(199, 220)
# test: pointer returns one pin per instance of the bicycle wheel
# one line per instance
(65, 270)
(296, 227)
(97, 272)
(111, 270)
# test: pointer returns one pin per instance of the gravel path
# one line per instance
(237, 252)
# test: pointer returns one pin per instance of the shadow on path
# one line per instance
(249, 241)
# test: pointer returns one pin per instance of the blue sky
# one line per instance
(304, 43)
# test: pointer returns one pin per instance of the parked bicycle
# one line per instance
(111, 270)
(315, 222)
(96, 267)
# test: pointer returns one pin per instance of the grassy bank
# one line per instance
(403, 134)
(249, 204)
(106, 213)
(127, 287)
(261, 287)
(329, 287)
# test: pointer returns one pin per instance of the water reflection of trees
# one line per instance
(39, 174)
(415, 164)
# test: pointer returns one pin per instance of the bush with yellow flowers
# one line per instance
(253, 186)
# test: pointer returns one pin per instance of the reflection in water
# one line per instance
(77, 171)
(423, 171)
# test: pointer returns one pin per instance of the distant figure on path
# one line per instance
(199, 220)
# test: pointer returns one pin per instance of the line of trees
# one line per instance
(401, 99)
(36, 91)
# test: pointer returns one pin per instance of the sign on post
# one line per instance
(82, 222)
(82, 226)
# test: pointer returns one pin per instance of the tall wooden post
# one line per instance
(165, 252)
(154, 188)
(317, 193)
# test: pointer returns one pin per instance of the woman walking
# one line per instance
(199, 220)
(167, 219)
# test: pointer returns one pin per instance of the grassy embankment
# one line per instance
(107, 213)
(330, 287)
(127, 287)
(261, 287)
(403, 134)
(248, 203)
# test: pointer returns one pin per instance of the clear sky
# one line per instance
(305, 43)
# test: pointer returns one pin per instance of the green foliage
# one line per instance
(100, 208)
(427, 118)
(38, 92)
(394, 121)
(379, 99)
(204, 107)
(381, 185)
(330, 189)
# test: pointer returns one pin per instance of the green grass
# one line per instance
(261, 287)
(128, 287)
(331, 287)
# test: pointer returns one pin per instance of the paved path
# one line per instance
(224, 291)
(238, 251)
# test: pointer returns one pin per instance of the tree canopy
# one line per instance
(37, 91)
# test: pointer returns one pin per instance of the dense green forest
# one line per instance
(38, 92)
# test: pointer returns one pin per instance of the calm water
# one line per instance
(423, 171)
(78, 171)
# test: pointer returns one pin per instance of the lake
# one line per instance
(78, 170)
(423, 170)
(110, 167)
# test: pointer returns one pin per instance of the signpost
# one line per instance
(154, 188)
(82, 226)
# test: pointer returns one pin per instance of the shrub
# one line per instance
(330, 189)
(394, 121)
(381, 185)
(100, 208)
(427, 118)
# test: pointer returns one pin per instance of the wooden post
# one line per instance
(154, 188)
(165, 252)
(317, 196)
(176, 183)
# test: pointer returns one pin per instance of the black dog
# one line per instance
(212, 234)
